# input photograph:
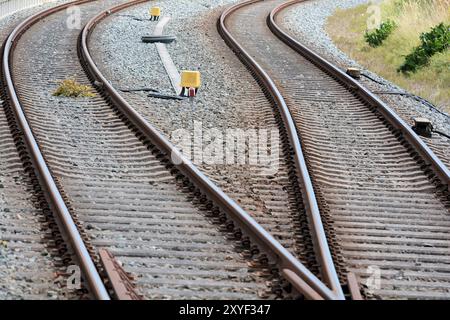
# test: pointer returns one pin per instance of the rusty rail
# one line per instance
(322, 250)
(294, 271)
(439, 168)
(119, 279)
(53, 195)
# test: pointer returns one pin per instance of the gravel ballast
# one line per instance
(229, 98)
(27, 264)
(306, 21)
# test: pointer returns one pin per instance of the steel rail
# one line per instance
(293, 270)
(440, 169)
(321, 247)
(44, 175)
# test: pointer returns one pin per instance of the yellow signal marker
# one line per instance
(155, 12)
(190, 79)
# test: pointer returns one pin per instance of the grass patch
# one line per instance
(412, 18)
(437, 40)
(376, 37)
(71, 88)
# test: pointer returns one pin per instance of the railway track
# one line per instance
(108, 176)
(274, 201)
(33, 256)
(379, 187)
(401, 104)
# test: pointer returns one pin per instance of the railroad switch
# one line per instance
(423, 127)
(190, 82)
(354, 72)
(155, 13)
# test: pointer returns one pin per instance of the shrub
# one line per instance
(437, 40)
(375, 38)
(71, 88)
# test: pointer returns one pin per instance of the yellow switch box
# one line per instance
(190, 79)
(155, 11)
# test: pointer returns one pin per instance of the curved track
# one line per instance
(33, 256)
(70, 228)
(383, 192)
(113, 181)
(109, 171)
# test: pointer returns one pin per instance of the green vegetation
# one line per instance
(437, 40)
(71, 88)
(412, 18)
(376, 37)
